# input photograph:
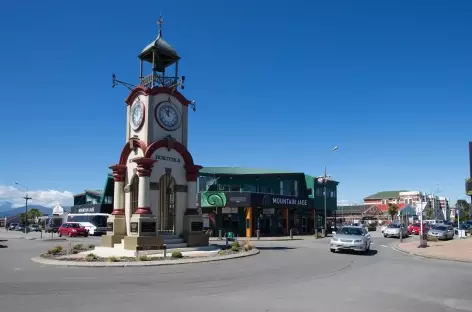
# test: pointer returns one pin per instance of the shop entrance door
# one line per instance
(304, 225)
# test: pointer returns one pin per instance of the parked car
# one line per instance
(416, 229)
(440, 231)
(12, 226)
(462, 226)
(356, 238)
(72, 229)
(394, 230)
(34, 228)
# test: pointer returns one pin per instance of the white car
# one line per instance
(355, 238)
(383, 228)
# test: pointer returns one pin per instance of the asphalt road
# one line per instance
(285, 276)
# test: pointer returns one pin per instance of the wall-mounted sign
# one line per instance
(168, 158)
(226, 210)
(289, 201)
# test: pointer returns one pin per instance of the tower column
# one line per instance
(144, 173)
(116, 223)
(192, 176)
(119, 173)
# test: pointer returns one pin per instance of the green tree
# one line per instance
(429, 212)
(34, 213)
(392, 210)
(464, 209)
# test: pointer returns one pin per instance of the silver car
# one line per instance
(355, 238)
(441, 231)
(394, 230)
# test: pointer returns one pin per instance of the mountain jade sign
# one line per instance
(289, 201)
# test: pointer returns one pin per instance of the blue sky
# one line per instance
(277, 84)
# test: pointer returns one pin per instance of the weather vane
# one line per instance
(160, 22)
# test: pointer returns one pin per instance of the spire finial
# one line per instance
(160, 22)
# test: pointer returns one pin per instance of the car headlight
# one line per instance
(334, 239)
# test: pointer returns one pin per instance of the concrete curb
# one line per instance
(398, 249)
(142, 263)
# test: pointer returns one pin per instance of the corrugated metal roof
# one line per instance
(243, 170)
(385, 195)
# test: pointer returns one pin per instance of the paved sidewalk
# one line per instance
(455, 250)
(276, 238)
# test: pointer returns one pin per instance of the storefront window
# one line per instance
(289, 188)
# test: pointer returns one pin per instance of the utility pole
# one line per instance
(26, 206)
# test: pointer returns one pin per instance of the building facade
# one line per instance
(245, 200)
(432, 206)
(95, 201)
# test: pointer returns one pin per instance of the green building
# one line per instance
(244, 200)
(95, 201)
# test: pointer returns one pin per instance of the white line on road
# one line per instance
(383, 246)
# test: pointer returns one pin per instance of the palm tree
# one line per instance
(392, 210)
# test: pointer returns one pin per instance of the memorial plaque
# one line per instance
(110, 226)
(197, 226)
(148, 227)
(134, 227)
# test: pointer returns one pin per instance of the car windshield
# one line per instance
(74, 225)
(351, 231)
(440, 227)
(394, 225)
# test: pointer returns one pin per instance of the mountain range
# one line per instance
(14, 211)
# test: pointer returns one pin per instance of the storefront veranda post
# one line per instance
(243, 213)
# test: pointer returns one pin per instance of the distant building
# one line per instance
(95, 201)
(438, 207)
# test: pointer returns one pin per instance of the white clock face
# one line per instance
(137, 115)
(168, 116)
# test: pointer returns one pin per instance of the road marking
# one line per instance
(16, 269)
(384, 246)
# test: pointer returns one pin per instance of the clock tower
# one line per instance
(155, 179)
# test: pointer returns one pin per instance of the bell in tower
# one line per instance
(160, 55)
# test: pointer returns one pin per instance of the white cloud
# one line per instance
(48, 198)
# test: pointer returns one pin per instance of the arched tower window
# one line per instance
(134, 191)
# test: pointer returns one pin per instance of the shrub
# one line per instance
(91, 246)
(177, 254)
(113, 259)
(235, 245)
(56, 250)
(144, 258)
(247, 246)
(78, 247)
(91, 257)
(235, 248)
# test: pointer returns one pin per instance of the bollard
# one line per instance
(227, 242)
(220, 234)
(41, 231)
(316, 233)
(258, 234)
(52, 234)
(401, 235)
(323, 232)
(70, 247)
(165, 251)
(291, 233)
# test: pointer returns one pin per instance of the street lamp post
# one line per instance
(324, 179)
(26, 206)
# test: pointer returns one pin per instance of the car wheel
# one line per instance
(385, 235)
(86, 234)
(60, 234)
(70, 234)
(332, 250)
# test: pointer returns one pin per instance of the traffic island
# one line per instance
(459, 250)
(92, 257)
